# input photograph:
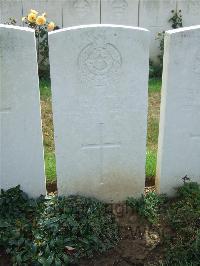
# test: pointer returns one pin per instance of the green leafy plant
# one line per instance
(183, 216)
(147, 206)
(54, 231)
(176, 21)
(155, 70)
(160, 37)
(11, 21)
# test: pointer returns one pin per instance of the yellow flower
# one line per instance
(51, 26)
(33, 11)
(31, 17)
(41, 20)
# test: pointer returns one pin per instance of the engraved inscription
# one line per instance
(99, 61)
(81, 7)
(119, 7)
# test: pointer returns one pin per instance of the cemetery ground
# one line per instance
(152, 230)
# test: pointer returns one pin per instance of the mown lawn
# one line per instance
(153, 127)
(152, 134)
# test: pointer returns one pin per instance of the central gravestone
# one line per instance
(99, 77)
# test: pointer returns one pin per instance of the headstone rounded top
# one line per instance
(98, 26)
(16, 28)
(184, 29)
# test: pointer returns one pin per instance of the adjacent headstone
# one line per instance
(81, 12)
(121, 12)
(21, 149)
(8, 10)
(154, 15)
(179, 137)
(190, 11)
(99, 76)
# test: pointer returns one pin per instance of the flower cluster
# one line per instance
(34, 20)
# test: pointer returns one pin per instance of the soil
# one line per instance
(140, 243)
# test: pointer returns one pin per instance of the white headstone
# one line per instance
(154, 15)
(99, 77)
(190, 11)
(121, 12)
(11, 9)
(21, 149)
(179, 137)
(79, 12)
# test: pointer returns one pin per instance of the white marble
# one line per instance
(154, 15)
(8, 9)
(190, 10)
(121, 12)
(179, 136)
(21, 149)
(99, 76)
(79, 12)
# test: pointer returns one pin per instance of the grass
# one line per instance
(151, 158)
(154, 85)
(153, 127)
(47, 126)
(50, 166)
(152, 132)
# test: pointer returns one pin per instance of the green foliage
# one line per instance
(147, 206)
(50, 166)
(45, 88)
(151, 158)
(155, 85)
(176, 19)
(11, 21)
(54, 231)
(160, 37)
(155, 70)
(183, 216)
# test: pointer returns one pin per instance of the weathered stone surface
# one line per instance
(155, 15)
(179, 137)
(121, 12)
(81, 12)
(190, 11)
(99, 78)
(21, 150)
(9, 10)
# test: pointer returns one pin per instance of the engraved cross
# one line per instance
(101, 146)
(5, 110)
